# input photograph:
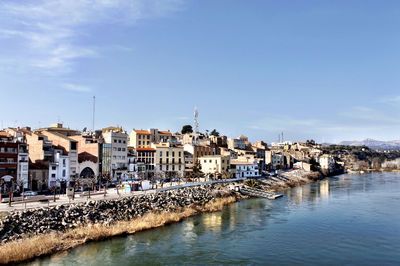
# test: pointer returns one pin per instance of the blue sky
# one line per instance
(327, 70)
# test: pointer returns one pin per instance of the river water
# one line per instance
(349, 219)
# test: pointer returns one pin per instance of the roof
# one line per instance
(164, 132)
(236, 162)
(4, 134)
(61, 135)
(143, 132)
(145, 149)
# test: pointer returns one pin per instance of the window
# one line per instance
(173, 154)
(119, 141)
(74, 145)
(115, 141)
(180, 161)
(114, 148)
(148, 143)
(123, 149)
(223, 161)
(167, 153)
(2, 149)
(179, 154)
(167, 160)
(53, 175)
(210, 161)
(119, 149)
(64, 173)
(173, 167)
(179, 167)
(160, 161)
(53, 168)
(167, 167)
(148, 136)
(124, 141)
(140, 143)
(63, 162)
(160, 153)
(123, 157)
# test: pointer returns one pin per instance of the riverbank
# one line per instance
(32, 233)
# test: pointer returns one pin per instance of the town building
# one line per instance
(214, 164)
(145, 158)
(144, 138)
(69, 145)
(327, 162)
(169, 158)
(240, 142)
(115, 147)
(8, 161)
(89, 148)
(245, 167)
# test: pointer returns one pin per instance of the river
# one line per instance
(349, 219)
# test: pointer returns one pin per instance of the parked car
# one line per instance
(30, 193)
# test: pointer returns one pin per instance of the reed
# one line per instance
(50, 243)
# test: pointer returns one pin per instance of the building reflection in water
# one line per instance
(212, 221)
(188, 231)
(324, 189)
(299, 194)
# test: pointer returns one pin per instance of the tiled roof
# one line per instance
(164, 132)
(143, 132)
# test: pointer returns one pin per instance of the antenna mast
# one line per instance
(94, 110)
(195, 122)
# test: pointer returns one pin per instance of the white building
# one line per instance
(245, 168)
(23, 165)
(59, 168)
(118, 139)
(327, 162)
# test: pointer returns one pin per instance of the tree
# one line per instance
(214, 133)
(187, 129)
(197, 173)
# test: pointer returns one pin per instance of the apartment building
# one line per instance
(240, 142)
(70, 147)
(169, 157)
(59, 167)
(145, 159)
(196, 151)
(8, 160)
(116, 142)
(144, 138)
(245, 167)
(89, 148)
(212, 164)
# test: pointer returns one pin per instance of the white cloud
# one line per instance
(77, 88)
(394, 99)
(47, 32)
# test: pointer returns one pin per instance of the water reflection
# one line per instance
(324, 189)
(212, 221)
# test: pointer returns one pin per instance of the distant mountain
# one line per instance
(374, 144)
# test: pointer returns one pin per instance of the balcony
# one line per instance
(47, 143)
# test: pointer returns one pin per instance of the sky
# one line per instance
(322, 70)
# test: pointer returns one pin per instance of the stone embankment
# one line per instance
(21, 224)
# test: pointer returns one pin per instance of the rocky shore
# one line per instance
(26, 223)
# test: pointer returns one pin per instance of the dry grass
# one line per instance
(29, 248)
